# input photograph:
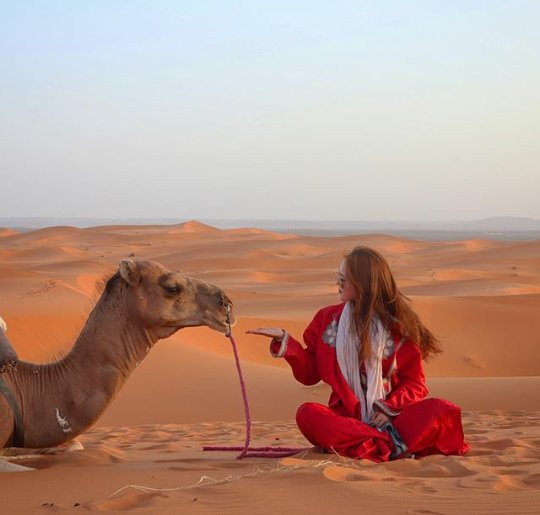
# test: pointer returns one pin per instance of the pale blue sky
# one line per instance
(357, 110)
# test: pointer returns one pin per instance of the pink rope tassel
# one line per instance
(247, 451)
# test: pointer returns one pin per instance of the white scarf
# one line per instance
(347, 344)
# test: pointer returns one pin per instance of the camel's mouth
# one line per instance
(223, 326)
(220, 325)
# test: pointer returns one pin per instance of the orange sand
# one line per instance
(482, 298)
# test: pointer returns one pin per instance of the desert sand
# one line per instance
(481, 297)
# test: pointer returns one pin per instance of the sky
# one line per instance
(310, 110)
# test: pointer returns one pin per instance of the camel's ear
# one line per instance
(129, 270)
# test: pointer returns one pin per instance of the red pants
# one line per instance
(431, 426)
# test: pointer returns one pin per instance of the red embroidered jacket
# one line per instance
(401, 366)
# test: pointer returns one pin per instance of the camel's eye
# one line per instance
(172, 289)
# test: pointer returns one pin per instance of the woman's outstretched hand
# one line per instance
(270, 332)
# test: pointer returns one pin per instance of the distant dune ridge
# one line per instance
(480, 296)
(502, 227)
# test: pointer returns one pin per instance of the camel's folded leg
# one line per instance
(72, 445)
(8, 356)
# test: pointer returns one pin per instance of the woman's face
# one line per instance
(346, 289)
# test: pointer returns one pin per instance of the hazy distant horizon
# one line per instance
(184, 219)
(498, 228)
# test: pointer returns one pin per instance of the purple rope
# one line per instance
(247, 451)
(239, 448)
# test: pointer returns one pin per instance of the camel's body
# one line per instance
(141, 304)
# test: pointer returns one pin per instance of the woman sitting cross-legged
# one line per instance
(369, 349)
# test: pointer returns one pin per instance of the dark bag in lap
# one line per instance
(400, 447)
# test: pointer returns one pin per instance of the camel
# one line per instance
(142, 303)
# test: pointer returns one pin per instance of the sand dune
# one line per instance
(481, 297)
(6, 232)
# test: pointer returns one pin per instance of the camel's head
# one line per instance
(166, 301)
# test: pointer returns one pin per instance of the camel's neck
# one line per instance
(110, 338)
(62, 399)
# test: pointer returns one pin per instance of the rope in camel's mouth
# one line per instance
(246, 451)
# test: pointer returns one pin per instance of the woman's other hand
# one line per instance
(379, 419)
(271, 332)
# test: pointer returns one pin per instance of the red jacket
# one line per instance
(401, 366)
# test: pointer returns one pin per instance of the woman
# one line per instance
(369, 349)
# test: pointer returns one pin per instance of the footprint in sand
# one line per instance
(533, 480)
(509, 484)
(128, 501)
(346, 474)
(473, 362)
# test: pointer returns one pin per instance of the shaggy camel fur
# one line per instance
(142, 303)
(8, 357)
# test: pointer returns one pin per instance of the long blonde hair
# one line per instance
(378, 296)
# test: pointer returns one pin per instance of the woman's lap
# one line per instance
(427, 427)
